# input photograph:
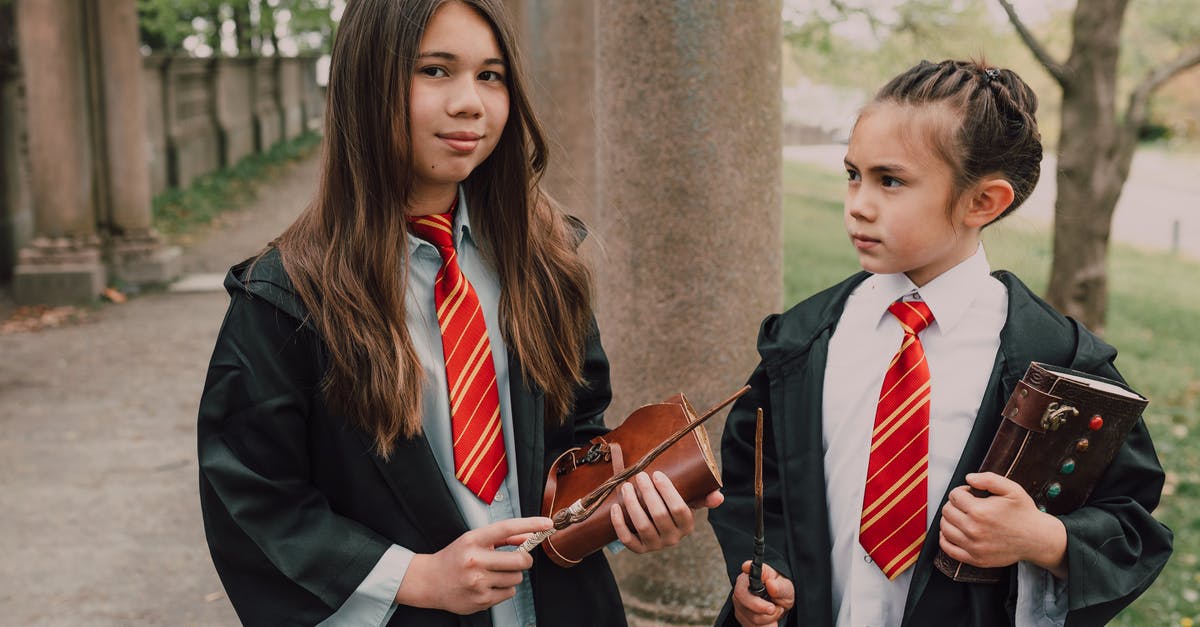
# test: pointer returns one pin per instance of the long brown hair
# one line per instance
(347, 253)
(996, 127)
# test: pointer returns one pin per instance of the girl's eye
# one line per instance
(891, 181)
(434, 71)
(851, 175)
(490, 75)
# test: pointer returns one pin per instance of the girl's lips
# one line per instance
(461, 142)
(861, 242)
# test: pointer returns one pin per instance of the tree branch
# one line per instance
(1140, 98)
(1043, 56)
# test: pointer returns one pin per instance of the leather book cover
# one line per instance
(689, 463)
(1061, 429)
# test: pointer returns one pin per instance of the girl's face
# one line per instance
(898, 211)
(458, 102)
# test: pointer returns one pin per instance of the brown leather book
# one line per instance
(689, 463)
(1061, 429)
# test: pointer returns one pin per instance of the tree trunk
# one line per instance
(1094, 153)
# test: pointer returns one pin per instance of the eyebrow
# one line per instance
(450, 56)
(883, 168)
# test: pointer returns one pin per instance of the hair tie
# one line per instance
(992, 74)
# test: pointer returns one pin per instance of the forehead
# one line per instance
(459, 29)
(888, 133)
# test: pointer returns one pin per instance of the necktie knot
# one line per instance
(914, 315)
(437, 229)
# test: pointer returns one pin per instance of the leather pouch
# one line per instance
(689, 463)
(1061, 429)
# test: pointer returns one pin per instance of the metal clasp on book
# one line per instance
(598, 452)
(1056, 415)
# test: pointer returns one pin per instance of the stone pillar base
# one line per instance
(144, 259)
(693, 600)
(59, 271)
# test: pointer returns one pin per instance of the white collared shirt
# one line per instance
(969, 308)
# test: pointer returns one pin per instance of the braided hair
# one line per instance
(996, 131)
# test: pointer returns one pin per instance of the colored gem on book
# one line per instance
(1082, 445)
(1096, 423)
(1054, 490)
(1068, 467)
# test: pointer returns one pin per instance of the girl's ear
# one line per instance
(990, 198)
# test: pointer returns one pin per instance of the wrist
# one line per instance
(1050, 552)
(413, 592)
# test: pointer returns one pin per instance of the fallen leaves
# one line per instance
(32, 318)
(113, 295)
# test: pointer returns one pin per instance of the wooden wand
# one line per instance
(585, 506)
(756, 584)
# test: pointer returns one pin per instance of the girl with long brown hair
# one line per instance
(397, 369)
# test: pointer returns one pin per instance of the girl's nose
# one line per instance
(860, 207)
(465, 100)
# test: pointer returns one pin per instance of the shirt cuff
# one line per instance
(374, 601)
(1041, 597)
(615, 547)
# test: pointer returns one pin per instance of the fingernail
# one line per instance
(658, 474)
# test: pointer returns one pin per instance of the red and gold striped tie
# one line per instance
(893, 516)
(479, 458)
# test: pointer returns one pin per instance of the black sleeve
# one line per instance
(1115, 548)
(733, 521)
(284, 556)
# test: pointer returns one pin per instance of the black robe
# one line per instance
(297, 506)
(1115, 548)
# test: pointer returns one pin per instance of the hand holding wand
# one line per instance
(756, 584)
(585, 506)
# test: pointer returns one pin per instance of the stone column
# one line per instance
(192, 145)
(268, 120)
(560, 37)
(291, 95)
(233, 96)
(154, 73)
(16, 216)
(137, 253)
(62, 264)
(314, 96)
(689, 167)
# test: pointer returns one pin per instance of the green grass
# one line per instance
(1154, 319)
(179, 211)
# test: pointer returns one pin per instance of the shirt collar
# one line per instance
(948, 296)
(462, 226)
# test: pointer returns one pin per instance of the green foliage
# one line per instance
(166, 24)
(180, 211)
(1155, 324)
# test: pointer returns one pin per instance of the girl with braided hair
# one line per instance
(869, 450)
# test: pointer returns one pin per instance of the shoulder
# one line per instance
(1036, 331)
(784, 335)
(264, 277)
